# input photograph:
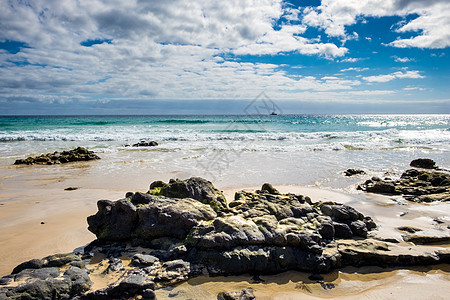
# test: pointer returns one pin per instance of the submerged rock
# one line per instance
(352, 172)
(78, 154)
(146, 144)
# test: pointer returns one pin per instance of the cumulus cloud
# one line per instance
(395, 75)
(432, 25)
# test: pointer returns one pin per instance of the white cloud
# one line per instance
(402, 59)
(392, 76)
(355, 69)
(432, 24)
(350, 59)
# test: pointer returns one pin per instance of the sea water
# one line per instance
(233, 149)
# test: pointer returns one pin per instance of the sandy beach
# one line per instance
(38, 217)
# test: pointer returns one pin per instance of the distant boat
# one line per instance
(273, 113)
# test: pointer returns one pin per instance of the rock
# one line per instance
(268, 188)
(414, 185)
(352, 172)
(133, 284)
(71, 188)
(146, 144)
(195, 187)
(115, 264)
(409, 229)
(80, 280)
(143, 260)
(48, 283)
(244, 294)
(427, 239)
(382, 187)
(31, 264)
(173, 272)
(78, 154)
(424, 163)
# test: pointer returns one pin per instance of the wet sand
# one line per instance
(347, 283)
(33, 194)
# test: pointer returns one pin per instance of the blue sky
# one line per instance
(208, 56)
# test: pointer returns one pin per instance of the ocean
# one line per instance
(233, 149)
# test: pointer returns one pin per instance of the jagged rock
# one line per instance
(78, 154)
(244, 294)
(146, 144)
(163, 217)
(424, 163)
(352, 172)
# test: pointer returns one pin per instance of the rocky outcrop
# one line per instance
(414, 185)
(78, 154)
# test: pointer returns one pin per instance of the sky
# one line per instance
(213, 57)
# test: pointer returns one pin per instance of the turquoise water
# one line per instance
(284, 132)
(230, 150)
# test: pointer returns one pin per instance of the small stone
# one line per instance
(71, 188)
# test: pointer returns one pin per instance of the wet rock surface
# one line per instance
(182, 229)
(416, 185)
(78, 154)
(146, 144)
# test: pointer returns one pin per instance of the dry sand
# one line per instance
(31, 195)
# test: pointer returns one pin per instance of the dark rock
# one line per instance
(143, 260)
(80, 280)
(31, 264)
(59, 260)
(148, 294)
(71, 188)
(146, 144)
(342, 231)
(424, 163)
(359, 228)
(351, 172)
(382, 187)
(115, 264)
(244, 294)
(268, 188)
(78, 154)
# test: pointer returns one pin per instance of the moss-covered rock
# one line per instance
(78, 154)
